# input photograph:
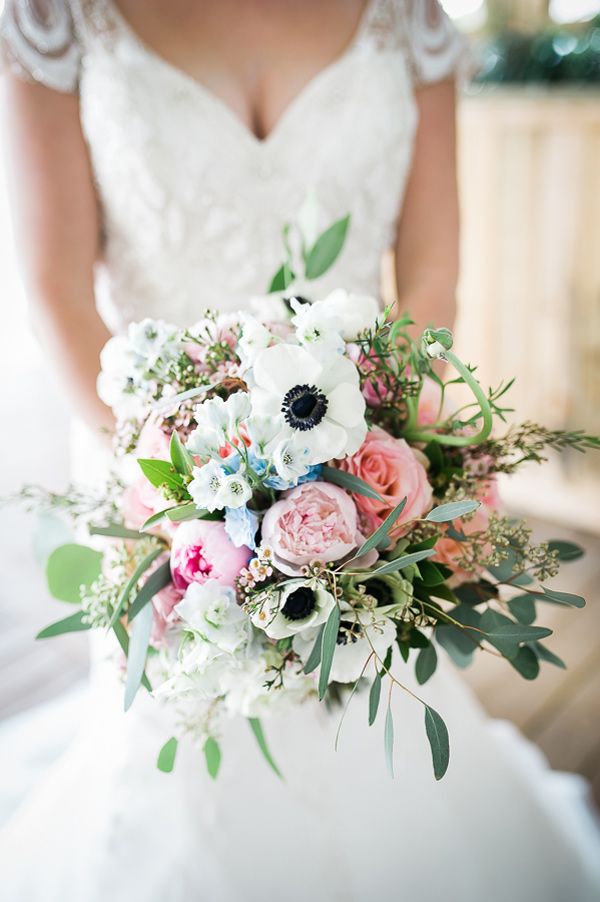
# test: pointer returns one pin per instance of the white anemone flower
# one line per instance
(320, 399)
(350, 315)
(298, 606)
(360, 632)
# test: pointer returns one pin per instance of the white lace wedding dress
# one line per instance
(193, 205)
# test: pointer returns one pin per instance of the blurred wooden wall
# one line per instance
(529, 169)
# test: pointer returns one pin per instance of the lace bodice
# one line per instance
(193, 203)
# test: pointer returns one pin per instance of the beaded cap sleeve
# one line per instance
(38, 43)
(435, 47)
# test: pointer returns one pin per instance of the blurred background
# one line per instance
(529, 166)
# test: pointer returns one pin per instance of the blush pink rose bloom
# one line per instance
(164, 604)
(316, 521)
(449, 551)
(391, 467)
(202, 550)
(141, 499)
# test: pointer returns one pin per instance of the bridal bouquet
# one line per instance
(297, 511)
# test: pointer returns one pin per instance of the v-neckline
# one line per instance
(221, 105)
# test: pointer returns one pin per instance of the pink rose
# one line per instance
(202, 550)
(316, 521)
(391, 467)
(449, 551)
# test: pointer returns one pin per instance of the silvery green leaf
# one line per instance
(257, 729)
(426, 664)
(437, 734)
(328, 646)
(388, 740)
(212, 756)
(69, 567)
(138, 649)
(72, 624)
(374, 696)
(451, 511)
(349, 481)
(166, 756)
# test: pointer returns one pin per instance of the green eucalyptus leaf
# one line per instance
(212, 756)
(257, 729)
(158, 579)
(350, 482)
(458, 645)
(437, 734)
(123, 640)
(166, 756)
(326, 249)
(314, 658)
(116, 531)
(138, 650)
(451, 511)
(328, 646)
(69, 567)
(374, 696)
(526, 663)
(132, 583)
(388, 740)
(72, 624)
(400, 563)
(522, 607)
(566, 598)
(425, 664)
(382, 531)
(567, 551)
(544, 654)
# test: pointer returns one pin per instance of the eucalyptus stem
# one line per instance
(427, 435)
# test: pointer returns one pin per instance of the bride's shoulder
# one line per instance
(435, 49)
(39, 42)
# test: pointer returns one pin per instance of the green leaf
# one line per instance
(431, 575)
(382, 531)
(388, 740)
(49, 533)
(72, 624)
(116, 531)
(551, 595)
(282, 279)
(314, 658)
(567, 551)
(374, 696)
(526, 663)
(346, 706)
(157, 580)
(160, 472)
(262, 744)
(326, 249)
(328, 646)
(544, 654)
(123, 639)
(437, 734)
(181, 458)
(166, 756)
(507, 636)
(446, 512)
(401, 562)
(425, 664)
(459, 646)
(138, 649)
(69, 567)
(132, 583)
(523, 608)
(350, 482)
(180, 512)
(212, 756)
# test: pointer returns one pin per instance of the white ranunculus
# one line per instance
(210, 611)
(340, 313)
(320, 400)
(299, 605)
(353, 647)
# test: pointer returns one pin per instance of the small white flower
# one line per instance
(204, 442)
(213, 415)
(152, 339)
(235, 491)
(270, 308)
(255, 337)
(296, 607)
(320, 400)
(206, 484)
(210, 611)
(291, 458)
(238, 408)
(350, 314)
(262, 431)
(316, 329)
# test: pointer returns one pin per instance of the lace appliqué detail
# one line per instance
(38, 42)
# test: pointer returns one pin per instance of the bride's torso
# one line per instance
(193, 203)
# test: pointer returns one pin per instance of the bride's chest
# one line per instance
(162, 142)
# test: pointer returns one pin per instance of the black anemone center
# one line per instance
(380, 591)
(349, 632)
(299, 604)
(304, 407)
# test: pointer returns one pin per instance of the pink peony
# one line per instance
(316, 521)
(141, 499)
(164, 603)
(391, 467)
(202, 550)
